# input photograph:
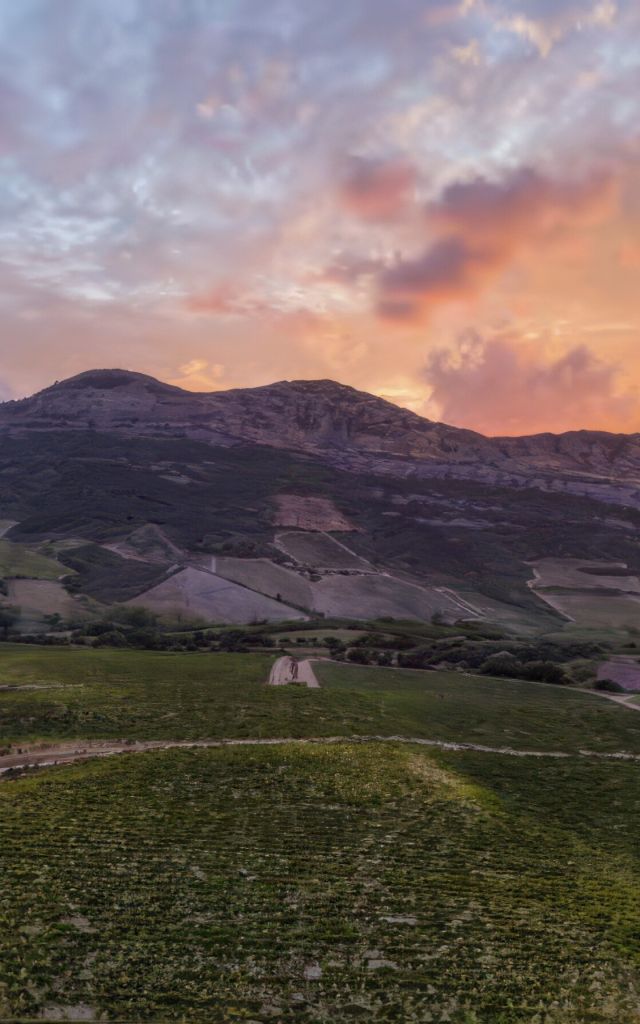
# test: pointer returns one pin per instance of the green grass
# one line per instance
(200, 885)
(479, 709)
(18, 560)
(149, 695)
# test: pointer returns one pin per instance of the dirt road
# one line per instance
(68, 753)
(288, 670)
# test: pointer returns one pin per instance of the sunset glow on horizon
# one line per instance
(437, 202)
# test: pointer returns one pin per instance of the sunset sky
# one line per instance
(438, 202)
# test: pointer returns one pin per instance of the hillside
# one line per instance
(347, 427)
(306, 498)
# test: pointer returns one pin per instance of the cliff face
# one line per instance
(348, 428)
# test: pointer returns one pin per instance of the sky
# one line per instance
(437, 202)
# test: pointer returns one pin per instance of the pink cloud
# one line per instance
(498, 386)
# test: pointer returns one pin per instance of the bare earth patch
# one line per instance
(622, 670)
(310, 514)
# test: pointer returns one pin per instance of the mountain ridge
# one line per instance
(108, 378)
(351, 429)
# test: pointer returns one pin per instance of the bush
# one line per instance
(502, 664)
(609, 686)
(115, 638)
(543, 672)
(359, 656)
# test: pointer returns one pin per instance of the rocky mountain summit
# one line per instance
(348, 428)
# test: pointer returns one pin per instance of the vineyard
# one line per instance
(318, 884)
(378, 881)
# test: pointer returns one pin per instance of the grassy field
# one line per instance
(321, 884)
(18, 560)
(148, 695)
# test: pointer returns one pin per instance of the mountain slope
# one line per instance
(348, 428)
(314, 494)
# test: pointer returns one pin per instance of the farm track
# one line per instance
(45, 757)
(288, 670)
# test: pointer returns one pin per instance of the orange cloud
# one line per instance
(377, 190)
(483, 225)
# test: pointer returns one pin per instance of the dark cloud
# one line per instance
(485, 224)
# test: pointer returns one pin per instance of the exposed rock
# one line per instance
(310, 514)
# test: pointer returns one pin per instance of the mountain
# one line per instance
(348, 428)
(308, 497)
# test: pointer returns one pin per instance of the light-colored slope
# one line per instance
(319, 550)
(374, 596)
(573, 573)
(199, 595)
(596, 611)
(263, 575)
(37, 598)
(622, 670)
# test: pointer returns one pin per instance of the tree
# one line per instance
(9, 615)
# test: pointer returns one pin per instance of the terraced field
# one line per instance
(321, 884)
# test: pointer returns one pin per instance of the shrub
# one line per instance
(609, 685)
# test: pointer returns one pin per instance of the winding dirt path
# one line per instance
(69, 753)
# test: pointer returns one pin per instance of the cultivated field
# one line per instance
(377, 596)
(147, 695)
(319, 549)
(201, 596)
(597, 611)
(377, 880)
(267, 578)
(593, 594)
(579, 573)
(321, 884)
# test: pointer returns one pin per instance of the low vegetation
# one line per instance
(320, 884)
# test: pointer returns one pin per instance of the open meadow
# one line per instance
(363, 879)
